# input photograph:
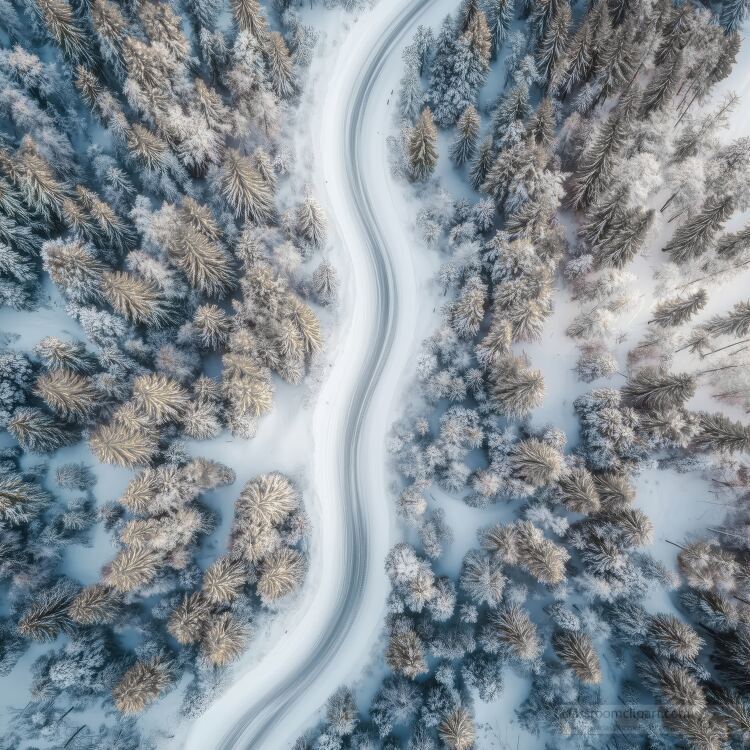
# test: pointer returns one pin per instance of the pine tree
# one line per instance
(68, 394)
(95, 605)
(281, 573)
(204, 262)
(35, 179)
(480, 40)
(159, 398)
(541, 129)
(249, 17)
(137, 299)
(267, 500)
(224, 580)
(482, 578)
(189, 619)
(467, 312)
(554, 43)
(625, 238)
(341, 712)
(20, 501)
(147, 148)
(467, 10)
(512, 108)
(578, 492)
(500, 17)
(311, 221)
(729, 246)
(441, 70)
(457, 729)
(662, 87)
(37, 432)
(658, 390)
(142, 684)
(717, 432)
(672, 638)
(734, 323)
(577, 651)
(597, 162)
(422, 147)
(674, 33)
(482, 163)
(733, 14)
(617, 62)
(65, 29)
(634, 526)
(405, 654)
(47, 614)
(325, 282)
(543, 559)
(245, 190)
(411, 92)
(212, 326)
(694, 237)
(280, 65)
(614, 490)
(676, 687)
(467, 130)
(516, 389)
(123, 444)
(74, 268)
(578, 65)
(511, 627)
(224, 640)
(132, 568)
(678, 310)
(536, 463)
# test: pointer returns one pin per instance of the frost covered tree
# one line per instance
(281, 573)
(654, 389)
(141, 685)
(510, 632)
(311, 221)
(695, 236)
(482, 163)
(422, 147)
(577, 651)
(463, 147)
(325, 282)
(597, 161)
(678, 310)
(717, 432)
(500, 17)
(457, 730)
(516, 389)
(405, 654)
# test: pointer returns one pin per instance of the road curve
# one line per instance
(252, 728)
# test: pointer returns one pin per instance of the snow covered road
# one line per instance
(339, 618)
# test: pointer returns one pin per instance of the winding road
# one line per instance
(339, 620)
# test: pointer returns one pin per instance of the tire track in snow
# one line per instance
(252, 728)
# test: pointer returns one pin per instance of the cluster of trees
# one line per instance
(596, 118)
(204, 618)
(143, 173)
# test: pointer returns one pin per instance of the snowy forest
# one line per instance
(584, 185)
(163, 263)
(564, 533)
